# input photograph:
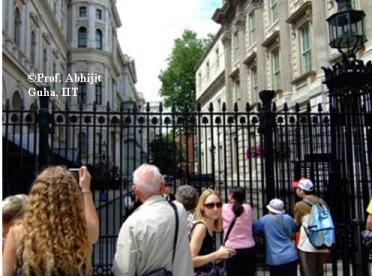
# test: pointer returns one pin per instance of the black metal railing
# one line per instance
(262, 149)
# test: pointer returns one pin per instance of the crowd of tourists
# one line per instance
(52, 230)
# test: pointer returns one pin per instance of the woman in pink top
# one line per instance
(240, 237)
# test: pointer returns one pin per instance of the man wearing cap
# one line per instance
(311, 258)
(168, 188)
(281, 254)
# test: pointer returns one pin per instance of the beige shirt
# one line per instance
(145, 241)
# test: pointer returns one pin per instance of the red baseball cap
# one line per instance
(295, 183)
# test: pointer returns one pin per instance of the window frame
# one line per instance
(84, 39)
(98, 96)
(99, 14)
(82, 96)
(273, 11)
(98, 40)
(275, 69)
(252, 28)
(305, 53)
(236, 45)
(83, 11)
(254, 83)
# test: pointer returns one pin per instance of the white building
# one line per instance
(265, 45)
(67, 38)
(276, 45)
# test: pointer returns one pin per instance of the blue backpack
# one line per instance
(320, 229)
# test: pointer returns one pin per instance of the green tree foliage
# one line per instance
(178, 80)
(165, 153)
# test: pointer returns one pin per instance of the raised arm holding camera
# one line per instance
(59, 227)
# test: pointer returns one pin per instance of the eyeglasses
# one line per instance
(213, 204)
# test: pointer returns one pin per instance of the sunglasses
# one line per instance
(213, 204)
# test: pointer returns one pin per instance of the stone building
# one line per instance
(272, 44)
(275, 45)
(68, 38)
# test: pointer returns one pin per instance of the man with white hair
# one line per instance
(146, 239)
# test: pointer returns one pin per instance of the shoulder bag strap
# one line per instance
(308, 202)
(280, 222)
(176, 232)
(229, 230)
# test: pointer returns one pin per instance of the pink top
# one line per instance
(241, 234)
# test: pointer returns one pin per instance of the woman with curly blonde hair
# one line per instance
(208, 217)
(59, 227)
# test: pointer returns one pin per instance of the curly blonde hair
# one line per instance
(55, 239)
(199, 210)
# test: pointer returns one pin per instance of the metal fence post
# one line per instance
(349, 84)
(267, 122)
(43, 118)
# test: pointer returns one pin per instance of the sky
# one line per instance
(149, 29)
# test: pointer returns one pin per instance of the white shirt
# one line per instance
(145, 240)
(304, 243)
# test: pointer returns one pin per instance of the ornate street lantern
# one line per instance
(346, 28)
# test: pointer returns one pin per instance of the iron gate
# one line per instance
(259, 148)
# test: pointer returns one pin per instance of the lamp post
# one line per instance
(350, 102)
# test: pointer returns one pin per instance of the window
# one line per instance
(208, 69)
(273, 10)
(354, 4)
(54, 73)
(252, 28)
(83, 143)
(236, 45)
(83, 11)
(217, 58)
(99, 14)
(199, 80)
(17, 27)
(275, 65)
(82, 37)
(305, 48)
(45, 61)
(254, 84)
(236, 95)
(98, 143)
(99, 93)
(98, 39)
(33, 48)
(82, 92)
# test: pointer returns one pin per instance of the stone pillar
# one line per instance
(320, 49)
(261, 51)
(91, 26)
(366, 5)
(240, 26)
(106, 32)
(5, 5)
(91, 88)
(226, 40)
(10, 20)
(285, 49)
(71, 25)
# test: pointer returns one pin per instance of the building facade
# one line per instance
(277, 45)
(61, 38)
(265, 45)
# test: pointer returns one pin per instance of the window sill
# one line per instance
(303, 77)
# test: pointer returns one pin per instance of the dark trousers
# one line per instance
(288, 269)
(311, 264)
(242, 264)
